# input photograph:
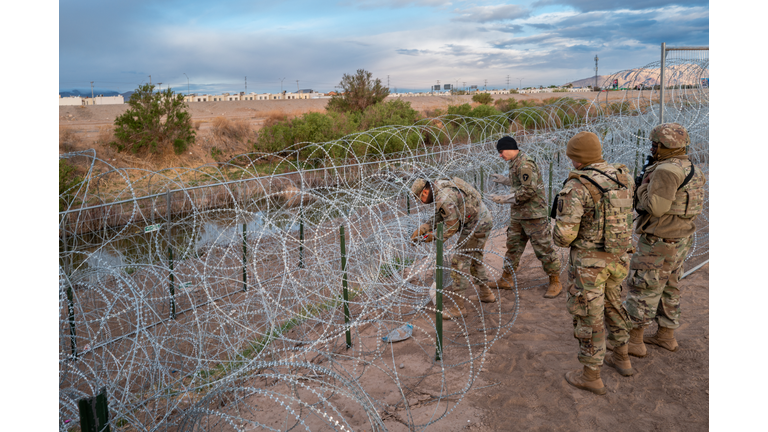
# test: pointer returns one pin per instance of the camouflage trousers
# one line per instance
(538, 231)
(655, 272)
(468, 258)
(594, 301)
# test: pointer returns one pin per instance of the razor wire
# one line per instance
(209, 299)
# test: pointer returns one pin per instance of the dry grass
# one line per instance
(196, 124)
(237, 130)
(69, 140)
(106, 135)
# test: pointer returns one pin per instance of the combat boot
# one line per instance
(506, 281)
(454, 311)
(555, 288)
(484, 293)
(664, 337)
(618, 359)
(588, 379)
(636, 347)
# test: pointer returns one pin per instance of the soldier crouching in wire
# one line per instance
(594, 219)
(461, 208)
(528, 216)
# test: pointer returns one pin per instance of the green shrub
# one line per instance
(154, 119)
(68, 180)
(506, 105)
(359, 91)
(483, 98)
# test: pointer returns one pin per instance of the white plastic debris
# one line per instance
(401, 333)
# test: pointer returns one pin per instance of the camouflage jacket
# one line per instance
(665, 211)
(526, 183)
(458, 210)
(578, 223)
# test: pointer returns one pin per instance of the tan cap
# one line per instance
(585, 148)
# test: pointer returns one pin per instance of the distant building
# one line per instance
(70, 101)
(104, 100)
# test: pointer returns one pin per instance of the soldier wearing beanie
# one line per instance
(528, 216)
(669, 198)
(594, 219)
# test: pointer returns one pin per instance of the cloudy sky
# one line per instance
(118, 44)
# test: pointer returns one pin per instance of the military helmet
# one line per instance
(418, 186)
(670, 135)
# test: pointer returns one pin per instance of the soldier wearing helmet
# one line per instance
(461, 208)
(669, 198)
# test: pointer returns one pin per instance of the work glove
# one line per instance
(501, 179)
(420, 232)
(503, 199)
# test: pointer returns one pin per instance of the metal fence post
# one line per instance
(170, 253)
(549, 200)
(70, 294)
(439, 292)
(482, 182)
(345, 293)
(408, 202)
(94, 412)
(661, 81)
(301, 237)
(245, 259)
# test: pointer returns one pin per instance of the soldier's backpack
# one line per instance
(613, 205)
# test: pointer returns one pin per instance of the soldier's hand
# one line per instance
(503, 199)
(420, 231)
(428, 237)
(500, 178)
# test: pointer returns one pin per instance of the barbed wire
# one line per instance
(211, 299)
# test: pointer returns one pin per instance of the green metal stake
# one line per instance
(170, 254)
(70, 299)
(482, 182)
(344, 284)
(94, 413)
(301, 237)
(439, 294)
(549, 201)
(408, 202)
(245, 260)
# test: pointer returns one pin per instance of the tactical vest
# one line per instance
(471, 195)
(610, 220)
(689, 199)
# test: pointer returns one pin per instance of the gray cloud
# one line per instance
(484, 14)
(606, 5)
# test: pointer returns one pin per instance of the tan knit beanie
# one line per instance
(585, 148)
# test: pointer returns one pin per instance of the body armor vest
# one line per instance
(609, 221)
(689, 199)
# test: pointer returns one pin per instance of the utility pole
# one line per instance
(297, 85)
(387, 82)
(187, 84)
(246, 85)
(281, 85)
(464, 83)
(596, 71)
(507, 82)
(158, 87)
(438, 86)
(91, 89)
(520, 86)
(150, 80)
(485, 86)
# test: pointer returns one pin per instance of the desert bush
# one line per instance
(154, 119)
(506, 105)
(68, 180)
(359, 92)
(483, 98)
(196, 124)
(225, 129)
(68, 139)
(391, 113)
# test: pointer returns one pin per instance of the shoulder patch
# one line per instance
(526, 175)
(442, 211)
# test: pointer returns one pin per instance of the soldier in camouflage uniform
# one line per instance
(594, 219)
(461, 208)
(528, 216)
(668, 200)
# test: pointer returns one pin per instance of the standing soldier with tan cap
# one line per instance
(594, 219)
(528, 216)
(668, 200)
(461, 208)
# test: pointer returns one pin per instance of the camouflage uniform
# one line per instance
(465, 213)
(594, 275)
(665, 225)
(528, 216)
